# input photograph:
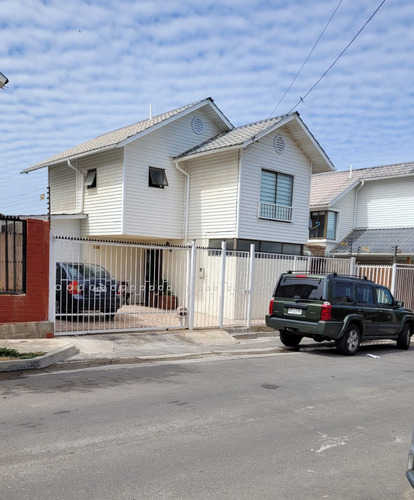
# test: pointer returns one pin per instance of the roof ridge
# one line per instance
(114, 137)
(365, 169)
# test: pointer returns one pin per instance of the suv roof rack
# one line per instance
(331, 273)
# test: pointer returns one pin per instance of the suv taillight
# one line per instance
(271, 307)
(326, 311)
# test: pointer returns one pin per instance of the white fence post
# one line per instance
(393, 276)
(352, 267)
(249, 298)
(192, 286)
(223, 283)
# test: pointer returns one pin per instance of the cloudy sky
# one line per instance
(81, 68)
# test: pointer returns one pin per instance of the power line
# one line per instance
(306, 60)
(336, 60)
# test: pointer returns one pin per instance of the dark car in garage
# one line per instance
(83, 288)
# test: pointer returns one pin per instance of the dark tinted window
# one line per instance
(365, 294)
(88, 271)
(300, 288)
(343, 291)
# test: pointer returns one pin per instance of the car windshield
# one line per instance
(88, 271)
(300, 288)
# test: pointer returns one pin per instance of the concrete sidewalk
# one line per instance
(93, 350)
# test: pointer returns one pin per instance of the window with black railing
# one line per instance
(12, 255)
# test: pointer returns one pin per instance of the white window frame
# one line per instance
(273, 210)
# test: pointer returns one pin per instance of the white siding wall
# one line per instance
(213, 196)
(293, 162)
(152, 212)
(345, 218)
(103, 204)
(386, 204)
(62, 181)
(66, 227)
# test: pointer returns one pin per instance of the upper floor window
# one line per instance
(90, 181)
(323, 225)
(276, 191)
(157, 177)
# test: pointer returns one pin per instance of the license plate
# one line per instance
(291, 310)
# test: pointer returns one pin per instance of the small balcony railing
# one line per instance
(271, 211)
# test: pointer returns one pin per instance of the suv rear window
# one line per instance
(300, 288)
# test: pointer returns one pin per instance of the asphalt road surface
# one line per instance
(300, 425)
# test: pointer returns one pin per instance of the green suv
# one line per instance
(346, 309)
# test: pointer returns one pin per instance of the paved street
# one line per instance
(291, 426)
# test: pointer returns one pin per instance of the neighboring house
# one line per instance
(367, 213)
(186, 175)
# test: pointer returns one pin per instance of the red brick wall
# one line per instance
(33, 305)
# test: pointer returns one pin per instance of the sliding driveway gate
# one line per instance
(100, 286)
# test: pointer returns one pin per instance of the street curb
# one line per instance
(50, 358)
(96, 362)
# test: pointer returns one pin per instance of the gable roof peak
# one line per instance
(117, 138)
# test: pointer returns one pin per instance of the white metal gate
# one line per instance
(150, 287)
(399, 278)
(165, 287)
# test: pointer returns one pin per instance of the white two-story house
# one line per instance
(183, 176)
(186, 175)
(366, 213)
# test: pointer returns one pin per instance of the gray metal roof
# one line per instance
(245, 135)
(375, 241)
(326, 187)
(233, 138)
(116, 138)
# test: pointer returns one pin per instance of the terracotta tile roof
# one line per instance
(326, 187)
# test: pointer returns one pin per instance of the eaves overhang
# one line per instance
(182, 158)
(59, 161)
(125, 135)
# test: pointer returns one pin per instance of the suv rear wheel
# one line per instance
(289, 339)
(404, 338)
(348, 344)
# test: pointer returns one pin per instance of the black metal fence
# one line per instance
(12, 255)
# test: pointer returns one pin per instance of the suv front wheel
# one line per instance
(404, 338)
(348, 344)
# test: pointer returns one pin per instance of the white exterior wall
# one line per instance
(65, 227)
(153, 212)
(213, 196)
(103, 204)
(62, 182)
(345, 208)
(386, 204)
(292, 161)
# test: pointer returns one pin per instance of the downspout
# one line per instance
(78, 170)
(187, 199)
(356, 201)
